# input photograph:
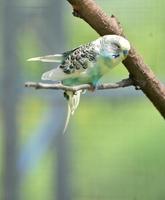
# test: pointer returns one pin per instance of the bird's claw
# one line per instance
(92, 88)
(137, 87)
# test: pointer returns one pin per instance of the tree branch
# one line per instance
(58, 86)
(142, 75)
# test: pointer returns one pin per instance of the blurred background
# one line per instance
(115, 144)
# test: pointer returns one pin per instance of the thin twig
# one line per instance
(58, 86)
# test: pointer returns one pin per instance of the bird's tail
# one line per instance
(73, 99)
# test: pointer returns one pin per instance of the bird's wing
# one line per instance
(49, 58)
(52, 58)
(74, 62)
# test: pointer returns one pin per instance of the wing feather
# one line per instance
(54, 75)
(75, 62)
(49, 58)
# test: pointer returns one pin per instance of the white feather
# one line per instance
(58, 74)
(73, 102)
(54, 75)
(49, 58)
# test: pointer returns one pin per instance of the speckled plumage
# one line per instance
(85, 64)
(78, 58)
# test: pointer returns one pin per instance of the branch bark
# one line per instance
(140, 72)
(58, 86)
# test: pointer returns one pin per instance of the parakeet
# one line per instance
(85, 64)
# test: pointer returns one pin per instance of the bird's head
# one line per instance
(114, 47)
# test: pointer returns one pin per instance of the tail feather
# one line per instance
(49, 58)
(73, 102)
(67, 119)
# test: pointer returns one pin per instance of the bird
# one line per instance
(85, 64)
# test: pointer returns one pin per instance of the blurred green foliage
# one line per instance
(36, 109)
(117, 153)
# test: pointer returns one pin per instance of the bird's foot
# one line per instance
(137, 87)
(66, 95)
(92, 88)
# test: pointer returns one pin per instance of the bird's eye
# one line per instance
(115, 55)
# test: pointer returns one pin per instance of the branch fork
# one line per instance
(58, 86)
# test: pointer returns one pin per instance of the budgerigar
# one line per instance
(85, 64)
